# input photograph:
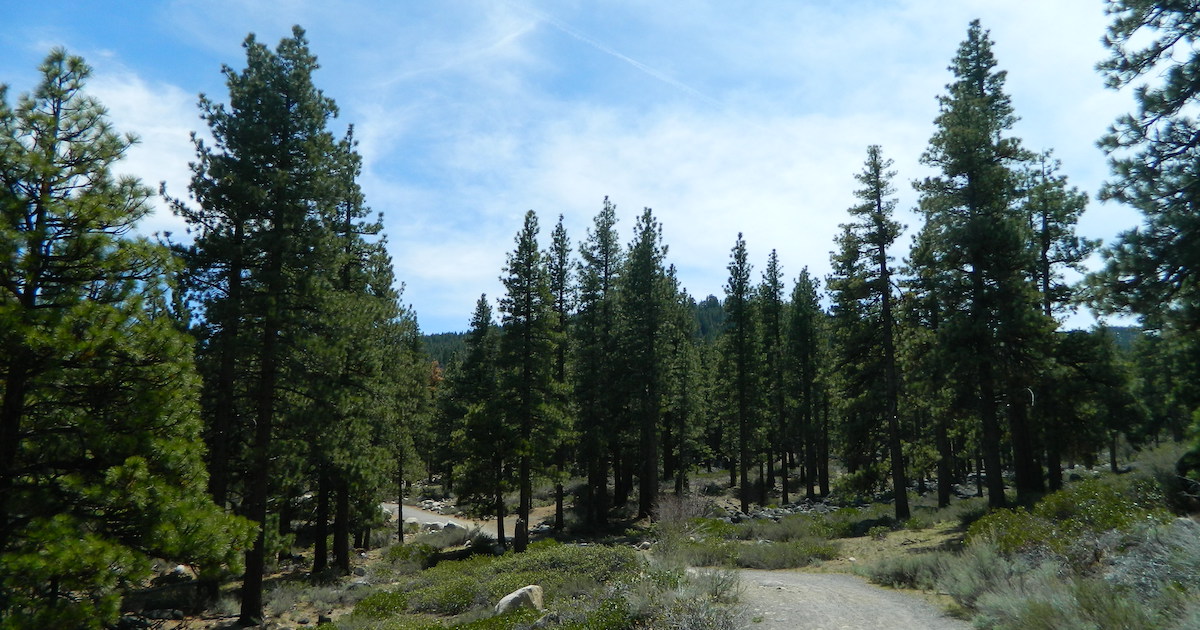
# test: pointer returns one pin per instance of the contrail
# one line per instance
(566, 28)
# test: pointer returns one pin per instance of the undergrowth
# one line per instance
(584, 586)
(1101, 554)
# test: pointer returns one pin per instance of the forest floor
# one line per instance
(826, 596)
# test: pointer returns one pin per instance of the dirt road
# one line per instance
(790, 600)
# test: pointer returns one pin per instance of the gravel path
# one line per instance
(787, 600)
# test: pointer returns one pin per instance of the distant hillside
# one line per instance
(442, 347)
(1125, 336)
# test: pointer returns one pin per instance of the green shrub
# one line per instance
(382, 605)
(713, 528)
(788, 555)
(449, 596)
(415, 554)
(518, 618)
(611, 614)
(708, 553)
(1011, 531)
(1050, 603)
(981, 569)
(920, 571)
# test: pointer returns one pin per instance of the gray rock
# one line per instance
(526, 597)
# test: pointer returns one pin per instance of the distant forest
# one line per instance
(208, 402)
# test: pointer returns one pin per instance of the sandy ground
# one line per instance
(791, 600)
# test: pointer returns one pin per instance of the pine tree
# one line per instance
(526, 362)
(983, 248)
(1154, 153)
(864, 276)
(487, 441)
(742, 355)
(597, 363)
(802, 374)
(770, 305)
(645, 301)
(562, 292)
(683, 402)
(1053, 209)
(859, 382)
(270, 196)
(1152, 270)
(101, 459)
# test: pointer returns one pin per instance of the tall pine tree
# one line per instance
(528, 389)
(866, 278)
(597, 336)
(101, 458)
(974, 223)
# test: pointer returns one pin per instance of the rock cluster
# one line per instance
(734, 515)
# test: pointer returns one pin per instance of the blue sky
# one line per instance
(723, 117)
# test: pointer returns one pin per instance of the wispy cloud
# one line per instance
(656, 74)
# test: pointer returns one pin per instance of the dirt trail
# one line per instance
(790, 600)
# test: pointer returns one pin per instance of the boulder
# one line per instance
(525, 597)
(451, 525)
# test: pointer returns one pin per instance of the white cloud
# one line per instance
(162, 117)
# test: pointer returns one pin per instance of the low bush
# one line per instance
(413, 555)
(919, 570)
(1078, 524)
(455, 587)
(785, 555)
(1056, 604)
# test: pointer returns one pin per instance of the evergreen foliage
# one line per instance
(980, 246)
(596, 336)
(864, 328)
(531, 404)
(1155, 159)
(301, 329)
(743, 364)
(102, 463)
(645, 302)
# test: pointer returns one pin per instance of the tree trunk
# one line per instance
(648, 476)
(597, 505)
(823, 454)
(1054, 464)
(945, 463)
(341, 526)
(525, 503)
(321, 533)
(784, 467)
(1025, 464)
(218, 448)
(260, 476)
(501, 511)
(12, 411)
